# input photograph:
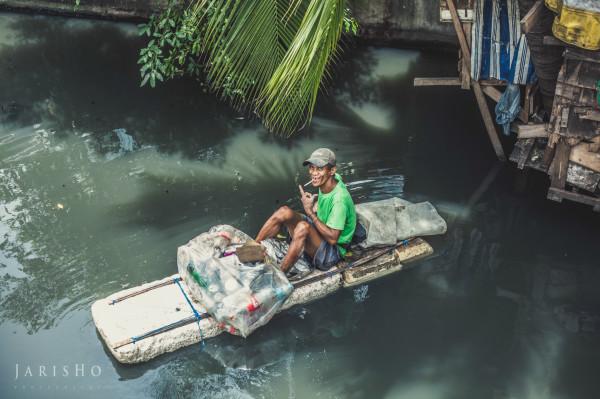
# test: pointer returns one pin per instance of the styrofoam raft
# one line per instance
(161, 306)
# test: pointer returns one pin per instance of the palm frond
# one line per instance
(269, 55)
(290, 95)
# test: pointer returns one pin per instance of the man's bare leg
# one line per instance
(283, 216)
(304, 236)
(296, 246)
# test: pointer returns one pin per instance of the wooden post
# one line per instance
(481, 102)
(560, 164)
(465, 72)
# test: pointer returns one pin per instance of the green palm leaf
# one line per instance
(268, 57)
(289, 98)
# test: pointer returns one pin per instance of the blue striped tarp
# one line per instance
(499, 49)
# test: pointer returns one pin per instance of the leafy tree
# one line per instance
(266, 57)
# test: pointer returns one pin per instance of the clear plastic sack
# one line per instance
(243, 297)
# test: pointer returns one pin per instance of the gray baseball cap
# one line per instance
(321, 157)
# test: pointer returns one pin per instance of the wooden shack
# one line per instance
(558, 125)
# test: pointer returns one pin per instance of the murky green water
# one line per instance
(101, 181)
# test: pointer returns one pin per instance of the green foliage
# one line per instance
(350, 24)
(267, 57)
(173, 46)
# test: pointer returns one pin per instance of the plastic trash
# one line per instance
(508, 107)
(241, 297)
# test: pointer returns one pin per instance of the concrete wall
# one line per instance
(391, 21)
(382, 21)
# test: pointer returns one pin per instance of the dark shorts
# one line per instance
(327, 255)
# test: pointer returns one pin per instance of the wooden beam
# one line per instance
(584, 199)
(451, 81)
(558, 172)
(493, 93)
(592, 115)
(488, 121)
(532, 16)
(464, 9)
(594, 146)
(530, 131)
(436, 82)
(465, 73)
(550, 149)
(581, 155)
(464, 47)
(483, 107)
(527, 147)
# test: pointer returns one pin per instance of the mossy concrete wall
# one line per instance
(381, 21)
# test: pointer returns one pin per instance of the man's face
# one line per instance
(320, 175)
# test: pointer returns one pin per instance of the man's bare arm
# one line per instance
(330, 235)
(308, 201)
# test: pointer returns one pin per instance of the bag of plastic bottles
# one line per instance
(242, 297)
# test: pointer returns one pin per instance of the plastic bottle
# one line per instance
(259, 298)
(196, 276)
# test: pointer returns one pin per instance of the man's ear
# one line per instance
(332, 170)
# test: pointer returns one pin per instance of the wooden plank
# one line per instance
(530, 131)
(436, 82)
(577, 197)
(527, 146)
(452, 81)
(464, 10)
(594, 146)
(464, 46)
(492, 93)
(558, 172)
(488, 121)
(465, 74)
(577, 175)
(549, 151)
(528, 100)
(592, 115)
(581, 155)
(532, 16)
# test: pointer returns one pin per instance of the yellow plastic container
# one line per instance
(554, 5)
(578, 27)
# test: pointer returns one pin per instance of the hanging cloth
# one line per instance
(499, 49)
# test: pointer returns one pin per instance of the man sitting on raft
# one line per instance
(324, 232)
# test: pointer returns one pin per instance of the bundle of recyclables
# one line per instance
(241, 297)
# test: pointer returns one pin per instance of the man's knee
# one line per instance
(283, 214)
(302, 229)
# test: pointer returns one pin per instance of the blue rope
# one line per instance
(196, 314)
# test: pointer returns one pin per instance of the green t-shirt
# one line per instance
(336, 210)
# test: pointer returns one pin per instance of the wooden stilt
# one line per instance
(558, 170)
(481, 102)
(577, 197)
(465, 74)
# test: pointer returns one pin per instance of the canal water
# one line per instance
(101, 180)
